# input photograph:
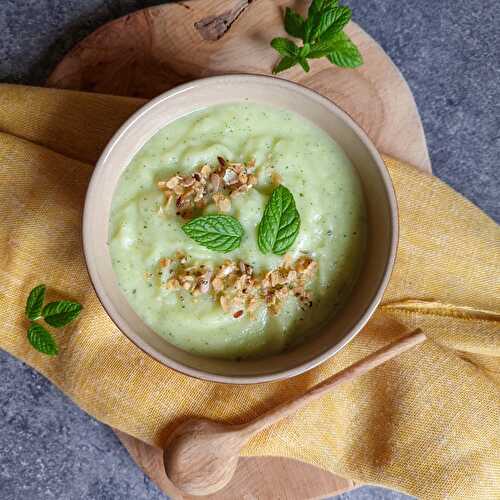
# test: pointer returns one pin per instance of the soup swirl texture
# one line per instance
(145, 231)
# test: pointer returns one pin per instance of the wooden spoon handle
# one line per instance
(351, 372)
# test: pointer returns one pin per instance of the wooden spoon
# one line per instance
(201, 455)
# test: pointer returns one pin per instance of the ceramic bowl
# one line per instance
(379, 196)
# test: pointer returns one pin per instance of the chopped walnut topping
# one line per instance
(235, 286)
(228, 180)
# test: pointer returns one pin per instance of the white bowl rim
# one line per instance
(301, 367)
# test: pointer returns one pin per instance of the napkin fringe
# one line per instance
(417, 306)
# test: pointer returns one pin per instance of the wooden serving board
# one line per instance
(152, 50)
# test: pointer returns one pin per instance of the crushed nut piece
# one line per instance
(222, 202)
(230, 177)
(216, 182)
(252, 180)
(206, 171)
(224, 302)
(218, 285)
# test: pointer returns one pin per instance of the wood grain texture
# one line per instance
(152, 50)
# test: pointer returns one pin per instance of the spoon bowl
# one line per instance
(201, 455)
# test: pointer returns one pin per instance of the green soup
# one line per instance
(284, 145)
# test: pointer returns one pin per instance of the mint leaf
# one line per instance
(285, 63)
(221, 233)
(42, 340)
(344, 53)
(315, 15)
(332, 21)
(284, 46)
(61, 313)
(294, 23)
(317, 6)
(34, 302)
(280, 223)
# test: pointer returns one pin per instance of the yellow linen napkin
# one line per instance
(427, 422)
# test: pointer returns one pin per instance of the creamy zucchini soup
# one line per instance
(238, 230)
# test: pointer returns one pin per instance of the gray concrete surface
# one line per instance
(449, 51)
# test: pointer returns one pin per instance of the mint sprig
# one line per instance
(280, 223)
(221, 233)
(321, 34)
(56, 314)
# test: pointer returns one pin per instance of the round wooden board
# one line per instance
(152, 50)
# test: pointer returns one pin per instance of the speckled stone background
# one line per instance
(448, 50)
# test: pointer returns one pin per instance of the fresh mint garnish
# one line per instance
(321, 34)
(280, 223)
(35, 302)
(42, 340)
(221, 233)
(61, 313)
(55, 314)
